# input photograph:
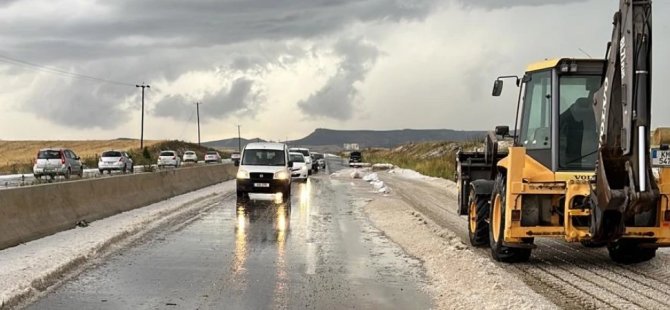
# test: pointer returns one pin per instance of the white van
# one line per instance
(264, 168)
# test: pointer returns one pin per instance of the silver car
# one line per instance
(57, 161)
(212, 157)
(115, 160)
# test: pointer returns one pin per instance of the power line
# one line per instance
(57, 71)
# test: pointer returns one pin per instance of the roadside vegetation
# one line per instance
(429, 158)
(18, 156)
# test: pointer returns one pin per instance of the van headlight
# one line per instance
(242, 174)
(281, 175)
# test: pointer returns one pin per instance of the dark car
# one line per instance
(355, 157)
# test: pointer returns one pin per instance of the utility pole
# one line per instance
(197, 109)
(142, 130)
(239, 140)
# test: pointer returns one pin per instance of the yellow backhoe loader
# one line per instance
(580, 167)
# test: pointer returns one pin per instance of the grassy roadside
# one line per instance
(429, 158)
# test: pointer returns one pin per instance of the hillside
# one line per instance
(430, 158)
(230, 143)
(334, 140)
(388, 138)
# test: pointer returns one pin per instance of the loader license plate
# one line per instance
(660, 157)
(261, 184)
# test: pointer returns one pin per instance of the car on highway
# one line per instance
(235, 157)
(190, 156)
(299, 169)
(168, 158)
(355, 157)
(212, 157)
(115, 160)
(320, 160)
(264, 168)
(308, 158)
(57, 161)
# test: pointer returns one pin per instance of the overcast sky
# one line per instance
(281, 68)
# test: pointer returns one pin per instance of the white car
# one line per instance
(212, 157)
(264, 168)
(299, 169)
(190, 156)
(168, 158)
(115, 160)
(308, 158)
(235, 157)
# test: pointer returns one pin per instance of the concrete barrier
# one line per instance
(29, 213)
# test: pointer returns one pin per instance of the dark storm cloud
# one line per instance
(79, 105)
(135, 41)
(201, 23)
(337, 98)
(500, 4)
(240, 97)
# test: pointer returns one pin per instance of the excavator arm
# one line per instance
(625, 192)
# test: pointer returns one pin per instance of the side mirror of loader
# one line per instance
(502, 131)
(497, 87)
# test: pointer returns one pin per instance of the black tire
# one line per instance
(592, 244)
(132, 169)
(628, 251)
(286, 194)
(67, 173)
(477, 217)
(124, 170)
(242, 196)
(499, 251)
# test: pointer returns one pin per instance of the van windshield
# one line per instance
(263, 158)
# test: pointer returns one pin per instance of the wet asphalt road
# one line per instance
(317, 252)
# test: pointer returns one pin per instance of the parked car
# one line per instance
(115, 160)
(355, 157)
(168, 158)
(190, 156)
(235, 157)
(320, 160)
(308, 158)
(299, 169)
(57, 161)
(212, 157)
(264, 168)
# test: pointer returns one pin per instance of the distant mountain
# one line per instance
(230, 143)
(387, 138)
(330, 139)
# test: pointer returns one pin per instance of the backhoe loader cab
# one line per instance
(541, 186)
(555, 113)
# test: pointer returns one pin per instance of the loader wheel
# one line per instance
(499, 251)
(478, 213)
(628, 251)
(592, 244)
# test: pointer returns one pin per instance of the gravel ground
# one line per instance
(460, 279)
